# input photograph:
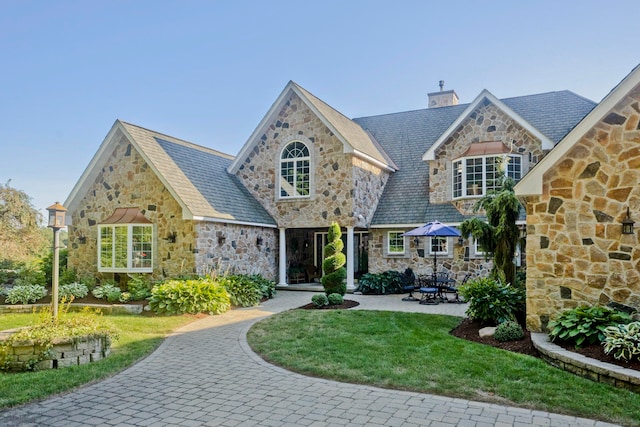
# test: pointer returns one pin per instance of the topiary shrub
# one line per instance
(189, 296)
(585, 324)
(623, 341)
(320, 300)
(508, 331)
(490, 301)
(335, 274)
(335, 299)
(243, 291)
(25, 294)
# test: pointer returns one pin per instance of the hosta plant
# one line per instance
(192, 296)
(72, 291)
(623, 341)
(243, 291)
(491, 301)
(25, 294)
(107, 291)
(585, 325)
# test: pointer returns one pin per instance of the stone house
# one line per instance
(577, 200)
(155, 204)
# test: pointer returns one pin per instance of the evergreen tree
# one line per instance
(335, 274)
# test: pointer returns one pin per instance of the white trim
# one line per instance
(531, 183)
(547, 144)
(464, 175)
(129, 268)
(447, 253)
(404, 243)
(295, 160)
(370, 159)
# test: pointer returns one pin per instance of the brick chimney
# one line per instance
(444, 98)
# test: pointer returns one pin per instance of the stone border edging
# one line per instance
(106, 308)
(585, 366)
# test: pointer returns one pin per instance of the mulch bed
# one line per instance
(345, 304)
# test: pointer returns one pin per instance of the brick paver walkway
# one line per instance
(206, 375)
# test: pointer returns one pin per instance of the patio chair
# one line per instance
(445, 290)
(409, 285)
(428, 291)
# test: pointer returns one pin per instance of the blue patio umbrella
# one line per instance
(434, 229)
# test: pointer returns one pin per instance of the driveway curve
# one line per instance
(205, 374)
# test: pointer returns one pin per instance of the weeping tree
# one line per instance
(335, 274)
(500, 234)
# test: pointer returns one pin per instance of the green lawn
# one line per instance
(414, 351)
(138, 337)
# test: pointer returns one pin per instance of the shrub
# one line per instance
(508, 331)
(320, 300)
(335, 299)
(31, 275)
(25, 294)
(490, 301)
(335, 274)
(108, 291)
(139, 287)
(388, 282)
(189, 296)
(267, 287)
(72, 291)
(585, 324)
(243, 291)
(623, 341)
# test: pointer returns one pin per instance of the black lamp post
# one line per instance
(56, 222)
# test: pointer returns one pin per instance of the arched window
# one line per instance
(295, 171)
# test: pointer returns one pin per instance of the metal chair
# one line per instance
(428, 291)
(409, 285)
(454, 290)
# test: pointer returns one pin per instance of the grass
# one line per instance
(138, 337)
(414, 351)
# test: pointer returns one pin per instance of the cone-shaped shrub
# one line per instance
(333, 264)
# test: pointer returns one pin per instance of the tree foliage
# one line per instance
(21, 237)
(499, 235)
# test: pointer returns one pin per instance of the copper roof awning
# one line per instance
(485, 148)
(127, 216)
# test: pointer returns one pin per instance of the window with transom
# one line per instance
(295, 171)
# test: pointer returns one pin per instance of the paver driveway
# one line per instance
(206, 375)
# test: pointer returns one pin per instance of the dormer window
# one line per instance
(478, 170)
(295, 171)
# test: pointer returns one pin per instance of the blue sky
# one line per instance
(208, 71)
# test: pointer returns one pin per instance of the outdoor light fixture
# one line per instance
(460, 241)
(416, 241)
(259, 241)
(171, 237)
(221, 239)
(627, 224)
(56, 222)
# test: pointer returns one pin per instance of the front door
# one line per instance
(360, 251)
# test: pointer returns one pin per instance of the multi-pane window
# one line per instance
(476, 176)
(395, 242)
(438, 245)
(125, 248)
(295, 171)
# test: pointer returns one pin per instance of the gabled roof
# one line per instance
(484, 96)
(531, 184)
(354, 139)
(195, 176)
(406, 136)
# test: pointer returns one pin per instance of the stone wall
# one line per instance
(340, 184)
(127, 181)
(487, 123)
(236, 249)
(454, 263)
(576, 253)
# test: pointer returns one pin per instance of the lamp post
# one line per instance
(56, 222)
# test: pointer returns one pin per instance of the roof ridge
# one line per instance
(181, 141)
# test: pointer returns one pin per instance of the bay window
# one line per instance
(126, 243)
(476, 176)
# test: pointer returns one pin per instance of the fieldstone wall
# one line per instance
(341, 185)
(127, 181)
(236, 249)
(456, 263)
(487, 123)
(576, 253)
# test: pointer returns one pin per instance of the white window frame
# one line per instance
(397, 238)
(460, 175)
(284, 186)
(477, 250)
(130, 246)
(446, 245)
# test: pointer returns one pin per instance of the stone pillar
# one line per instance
(282, 268)
(350, 270)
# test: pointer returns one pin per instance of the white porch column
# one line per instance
(350, 256)
(282, 267)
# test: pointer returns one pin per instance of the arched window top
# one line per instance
(295, 171)
(295, 150)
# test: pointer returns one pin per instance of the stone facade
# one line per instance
(456, 263)
(487, 123)
(127, 181)
(232, 248)
(576, 253)
(342, 188)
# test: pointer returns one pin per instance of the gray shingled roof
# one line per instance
(224, 192)
(406, 136)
